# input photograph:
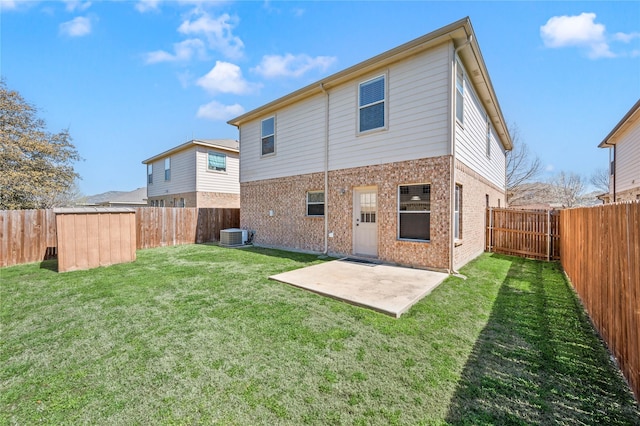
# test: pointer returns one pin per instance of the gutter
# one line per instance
(452, 183)
(326, 169)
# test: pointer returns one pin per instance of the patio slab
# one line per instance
(391, 290)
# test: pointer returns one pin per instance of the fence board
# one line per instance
(600, 252)
(528, 233)
(27, 236)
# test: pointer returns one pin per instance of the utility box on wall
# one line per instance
(95, 236)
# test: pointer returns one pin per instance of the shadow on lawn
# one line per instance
(538, 361)
(295, 256)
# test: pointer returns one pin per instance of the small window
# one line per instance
(161, 203)
(371, 100)
(149, 173)
(217, 162)
(167, 169)
(414, 212)
(315, 203)
(182, 203)
(269, 136)
(459, 92)
(456, 213)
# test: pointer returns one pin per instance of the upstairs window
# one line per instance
(459, 92)
(414, 212)
(269, 136)
(167, 168)
(149, 173)
(371, 101)
(217, 162)
(315, 203)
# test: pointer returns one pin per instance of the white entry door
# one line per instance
(365, 221)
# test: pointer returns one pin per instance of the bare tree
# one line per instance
(600, 179)
(567, 189)
(522, 168)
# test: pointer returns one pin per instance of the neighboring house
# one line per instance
(624, 158)
(198, 173)
(394, 158)
(135, 198)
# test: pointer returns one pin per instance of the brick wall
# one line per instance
(289, 227)
(475, 189)
(200, 199)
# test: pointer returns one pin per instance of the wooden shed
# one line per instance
(95, 236)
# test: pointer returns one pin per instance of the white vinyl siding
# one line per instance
(628, 159)
(472, 145)
(300, 144)
(183, 174)
(417, 123)
(216, 181)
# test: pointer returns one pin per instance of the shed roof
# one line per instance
(458, 32)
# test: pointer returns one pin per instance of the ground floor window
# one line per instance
(315, 203)
(414, 212)
(457, 229)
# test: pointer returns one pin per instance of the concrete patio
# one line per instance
(391, 290)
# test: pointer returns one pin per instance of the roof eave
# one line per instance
(632, 115)
(187, 145)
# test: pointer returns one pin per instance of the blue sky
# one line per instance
(131, 79)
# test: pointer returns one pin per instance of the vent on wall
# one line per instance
(233, 237)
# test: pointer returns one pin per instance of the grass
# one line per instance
(198, 335)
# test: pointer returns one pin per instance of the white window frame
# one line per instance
(316, 203)
(149, 173)
(401, 212)
(167, 168)
(459, 98)
(457, 209)
(264, 136)
(385, 79)
(209, 168)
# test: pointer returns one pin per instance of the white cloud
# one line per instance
(143, 6)
(291, 65)
(77, 27)
(549, 168)
(226, 77)
(183, 52)
(218, 31)
(582, 31)
(216, 111)
(8, 4)
(77, 5)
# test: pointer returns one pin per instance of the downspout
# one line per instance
(326, 169)
(452, 183)
(615, 166)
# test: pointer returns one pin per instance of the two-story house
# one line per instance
(395, 158)
(624, 158)
(198, 173)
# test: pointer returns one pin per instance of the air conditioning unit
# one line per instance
(233, 237)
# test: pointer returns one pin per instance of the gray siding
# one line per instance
(628, 159)
(471, 140)
(183, 175)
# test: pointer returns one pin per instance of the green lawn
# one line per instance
(198, 335)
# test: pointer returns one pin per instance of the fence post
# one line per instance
(490, 229)
(548, 235)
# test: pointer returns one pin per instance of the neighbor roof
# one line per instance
(629, 118)
(231, 145)
(458, 32)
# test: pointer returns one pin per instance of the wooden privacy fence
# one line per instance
(31, 235)
(158, 226)
(528, 233)
(600, 253)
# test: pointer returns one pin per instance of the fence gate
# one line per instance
(527, 233)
